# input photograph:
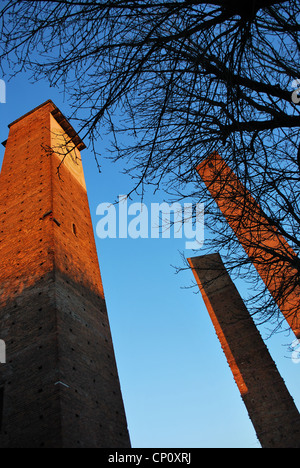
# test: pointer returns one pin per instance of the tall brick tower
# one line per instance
(270, 406)
(60, 386)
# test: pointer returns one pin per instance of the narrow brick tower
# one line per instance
(268, 250)
(60, 386)
(270, 406)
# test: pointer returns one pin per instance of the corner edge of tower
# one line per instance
(60, 118)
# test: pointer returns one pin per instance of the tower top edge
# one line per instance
(202, 259)
(61, 119)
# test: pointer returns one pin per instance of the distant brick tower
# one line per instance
(268, 250)
(60, 386)
(270, 406)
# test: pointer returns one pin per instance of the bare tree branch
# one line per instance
(179, 80)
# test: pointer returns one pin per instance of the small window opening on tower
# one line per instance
(56, 222)
(74, 230)
(49, 213)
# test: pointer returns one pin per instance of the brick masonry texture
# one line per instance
(270, 407)
(60, 385)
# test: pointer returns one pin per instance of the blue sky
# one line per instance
(177, 387)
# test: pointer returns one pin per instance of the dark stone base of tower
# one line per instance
(60, 390)
(270, 406)
(60, 385)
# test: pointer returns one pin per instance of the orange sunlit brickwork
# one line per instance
(60, 386)
(271, 409)
(268, 250)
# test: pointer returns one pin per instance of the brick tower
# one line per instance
(270, 406)
(60, 386)
(268, 250)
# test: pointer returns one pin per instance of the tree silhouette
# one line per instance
(181, 80)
